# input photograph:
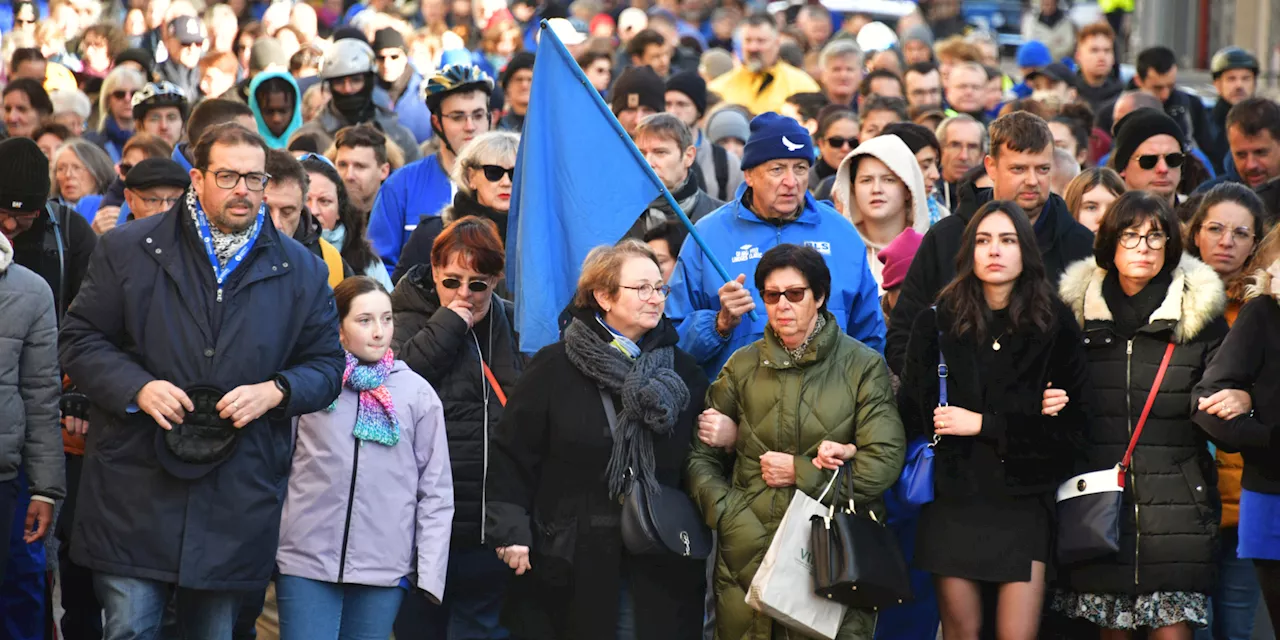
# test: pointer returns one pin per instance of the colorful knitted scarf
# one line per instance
(376, 415)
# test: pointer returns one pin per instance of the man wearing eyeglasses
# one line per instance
(153, 186)
(402, 82)
(197, 335)
(1149, 153)
(184, 41)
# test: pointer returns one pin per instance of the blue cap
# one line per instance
(1034, 53)
(775, 137)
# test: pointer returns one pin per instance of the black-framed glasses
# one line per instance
(794, 295)
(646, 291)
(167, 203)
(462, 117)
(227, 179)
(494, 173)
(1174, 160)
(1239, 234)
(475, 286)
(838, 142)
(1155, 240)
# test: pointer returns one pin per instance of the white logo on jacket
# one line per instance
(747, 252)
(821, 247)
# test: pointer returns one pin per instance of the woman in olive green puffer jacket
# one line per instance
(837, 390)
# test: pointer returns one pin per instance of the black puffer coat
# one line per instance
(437, 344)
(1169, 535)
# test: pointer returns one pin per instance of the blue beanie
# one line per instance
(1034, 54)
(774, 137)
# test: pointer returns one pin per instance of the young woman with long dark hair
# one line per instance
(999, 327)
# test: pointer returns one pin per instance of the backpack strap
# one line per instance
(720, 158)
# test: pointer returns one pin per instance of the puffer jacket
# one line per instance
(437, 344)
(29, 381)
(839, 390)
(1169, 534)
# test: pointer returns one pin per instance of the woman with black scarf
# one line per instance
(559, 464)
(1137, 296)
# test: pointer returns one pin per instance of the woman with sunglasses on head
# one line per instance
(806, 398)
(1000, 327)
(1145, 306)
(483, 174)
(341, 225)
(452, 330)
(370, 492)
(608, 410)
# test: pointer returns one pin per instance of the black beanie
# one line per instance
(349, 32)
(24, 175)
(691, 84)
(1138, 127)
(522, 60)
(636, 87)
(141, 56)
(388, 38)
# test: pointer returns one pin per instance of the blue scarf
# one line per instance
(626, 346)
(335, 236)
(114, 133)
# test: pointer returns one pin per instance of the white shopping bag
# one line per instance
(783, 586)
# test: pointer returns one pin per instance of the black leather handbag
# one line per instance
(668, 522)
(856, 560)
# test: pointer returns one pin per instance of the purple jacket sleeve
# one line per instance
(435, 494)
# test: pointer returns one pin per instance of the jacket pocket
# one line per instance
(1201, 492)
(553, 550)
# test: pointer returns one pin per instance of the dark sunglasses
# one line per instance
(793, 295)
(121, 94)
(494, 173)
(125, 167)
(476, 286)
(1174, 160)
(390, 56)
(838, 142)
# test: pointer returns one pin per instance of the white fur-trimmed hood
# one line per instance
(1196, 296)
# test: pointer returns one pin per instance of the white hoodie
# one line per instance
(895, 154)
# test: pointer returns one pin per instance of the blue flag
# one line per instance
(579, 183)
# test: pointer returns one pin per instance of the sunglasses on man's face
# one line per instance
(476, 286)
(494, 173)
(1173, 160)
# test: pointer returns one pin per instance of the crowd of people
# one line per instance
(261, 375)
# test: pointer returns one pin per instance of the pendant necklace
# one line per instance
(995, 344)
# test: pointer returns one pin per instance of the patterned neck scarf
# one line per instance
(376, 415)
(799, 351)
(224, 244)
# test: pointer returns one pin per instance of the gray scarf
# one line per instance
(653, 396)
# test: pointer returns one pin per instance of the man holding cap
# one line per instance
(773, 207)
(638, 92)
(1149, 153)
(153, 186)
(184, 40)
(517, 84)
(401, 81)
(720, 172)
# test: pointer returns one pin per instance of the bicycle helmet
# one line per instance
(1229, 58)
(347, 57)
(453, 79)
(159, 94)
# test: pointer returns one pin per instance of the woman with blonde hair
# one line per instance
(115, 110)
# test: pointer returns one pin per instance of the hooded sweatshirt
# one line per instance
(895, 154)
(281, 141)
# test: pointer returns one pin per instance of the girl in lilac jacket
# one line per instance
(370, 503)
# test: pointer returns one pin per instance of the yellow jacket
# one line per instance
(742, 86)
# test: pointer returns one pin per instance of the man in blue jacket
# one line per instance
(772, 207)
(197, 335)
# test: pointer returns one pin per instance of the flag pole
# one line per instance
(635, 151)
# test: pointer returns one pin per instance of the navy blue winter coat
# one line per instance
(147, 310)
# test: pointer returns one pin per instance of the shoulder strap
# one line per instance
(609, 410)
(1146, 411)
(942, 368)
(720, 158)
(493, 382)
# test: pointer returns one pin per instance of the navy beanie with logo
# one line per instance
(776, 137)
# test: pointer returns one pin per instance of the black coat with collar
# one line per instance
(1036, 452)
(1169, 534)
(63, 268)
(148, 310)
(547, 490)
(1061, 239)
(439, 346)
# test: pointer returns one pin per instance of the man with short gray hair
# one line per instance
(963, 140)
(840, 63)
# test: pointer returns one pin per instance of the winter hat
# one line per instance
(142, 57)
(24, 175)
(691, 84)
(156, 172)
(919, 33)
(1138, 127)
(1034, 54)
(775, 136)
(728, 123)
(388, 38)
(715, 63)
(636, 87)
(897, 257)
(522, 60)
(349, 32)
(266, 53)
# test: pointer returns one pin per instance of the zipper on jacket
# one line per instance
(351, 501)
(1133, 477)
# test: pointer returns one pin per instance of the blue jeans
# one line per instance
(475, 586)
(315, 610)
(1234, 603)
(135, 609)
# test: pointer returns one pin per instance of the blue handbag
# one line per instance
(916, 481)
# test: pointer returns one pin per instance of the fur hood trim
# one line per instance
(1195, 298)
